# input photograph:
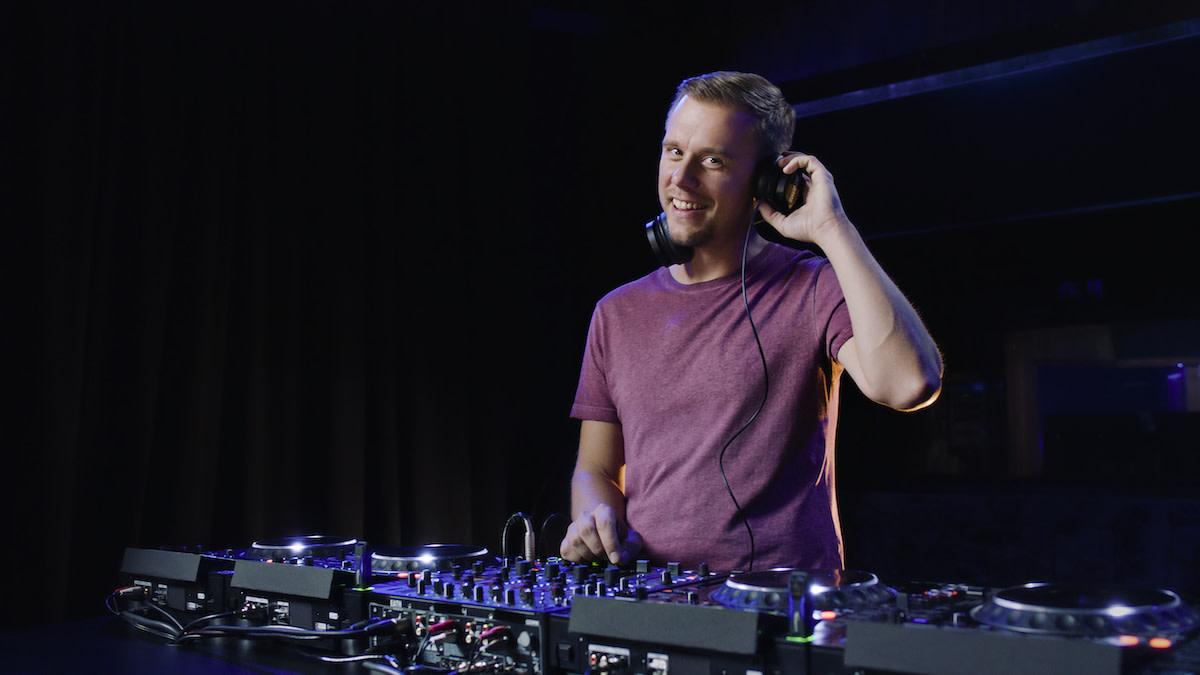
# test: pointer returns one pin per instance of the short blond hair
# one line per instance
(775, 121)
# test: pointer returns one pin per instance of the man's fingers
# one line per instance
(583, 541)
(611, 538)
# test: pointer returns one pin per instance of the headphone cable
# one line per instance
(766, 387)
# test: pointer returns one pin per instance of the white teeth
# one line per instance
(685, 206)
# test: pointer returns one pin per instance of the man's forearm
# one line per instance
(900, 364)
(590, 488)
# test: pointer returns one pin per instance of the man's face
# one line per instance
(709, 154)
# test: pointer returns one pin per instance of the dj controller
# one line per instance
(459, 609)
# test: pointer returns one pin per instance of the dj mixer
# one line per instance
(451, 608)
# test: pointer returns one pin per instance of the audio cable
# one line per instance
(529, 541)
(766, 388)
(363, 628)
(143, 615)
(167, 627)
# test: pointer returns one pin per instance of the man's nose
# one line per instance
(684, 175)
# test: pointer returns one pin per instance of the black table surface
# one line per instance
(106, 644)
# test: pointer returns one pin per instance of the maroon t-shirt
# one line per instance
(677, 366)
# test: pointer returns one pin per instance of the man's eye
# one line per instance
(712, 161)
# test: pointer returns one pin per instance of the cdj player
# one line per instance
(449, 608)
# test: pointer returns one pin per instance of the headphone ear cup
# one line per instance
(665, 249)
(784, 192)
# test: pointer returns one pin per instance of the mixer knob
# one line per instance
(643, 566)
(702, 570)
(522, 567)
(675, 568)
(612, 575)
(579, 573)
(666, 577)
(479, 593)
(552, 570)
(510, 596)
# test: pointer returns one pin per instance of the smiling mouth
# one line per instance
(686, 206)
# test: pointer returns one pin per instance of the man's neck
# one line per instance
(713, 262)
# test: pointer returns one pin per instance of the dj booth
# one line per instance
(318, 604)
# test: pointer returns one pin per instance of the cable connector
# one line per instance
(386, 627)
(131, 590)
(529, 539)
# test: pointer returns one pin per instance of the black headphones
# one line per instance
(784, 192)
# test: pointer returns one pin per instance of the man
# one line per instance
(693, 447)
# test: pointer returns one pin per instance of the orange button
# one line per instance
(1160, 642)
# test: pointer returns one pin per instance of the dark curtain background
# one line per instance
(274, 269)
